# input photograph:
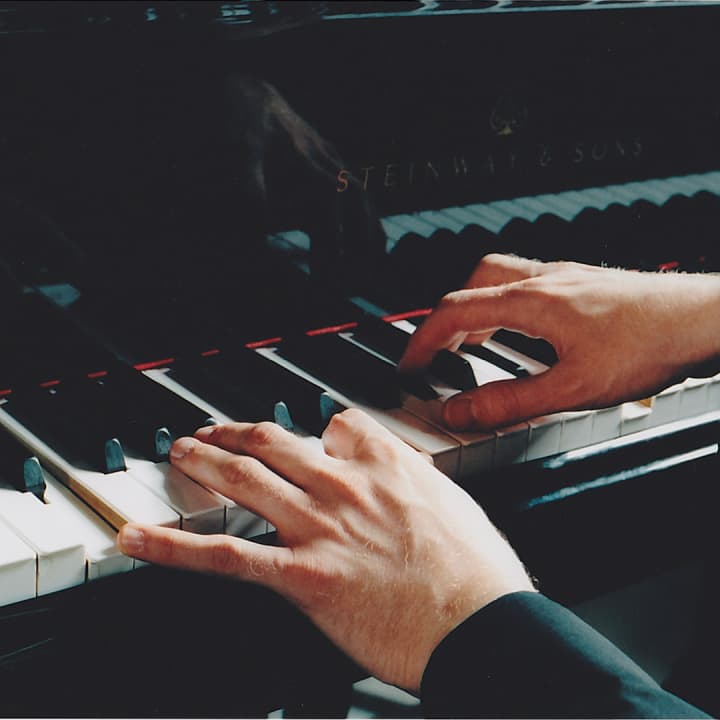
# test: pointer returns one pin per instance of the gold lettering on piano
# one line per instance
(599, 151)
(475, 166)
(431, 171)
(391, 178)
(460, 165)
(366, 176)
(342, 179)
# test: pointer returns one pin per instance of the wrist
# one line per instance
(698, 328)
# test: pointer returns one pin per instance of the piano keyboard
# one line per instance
(93, 452)
(87, 438)
(554, 210)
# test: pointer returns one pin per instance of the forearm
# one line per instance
(526, 656)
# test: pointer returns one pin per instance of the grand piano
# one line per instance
(241, 210)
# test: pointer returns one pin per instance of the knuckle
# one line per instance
(217, 434)
(239, 469)
(379, 447)
(494, 259)
(262, 435)
(346, 420)
(452, 299)
(223, 559)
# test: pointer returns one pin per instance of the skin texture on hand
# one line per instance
(619, 335)
(383, 552)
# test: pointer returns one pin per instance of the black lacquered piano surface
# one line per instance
(252, 205)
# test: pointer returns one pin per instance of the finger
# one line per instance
(290, 456)
(515, 307)
(218, 554)
(496, 269)
(354, 434)
(242, 479)
(505, 402)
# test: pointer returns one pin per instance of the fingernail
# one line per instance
(458, 413)
(181, 447)
(132, 540)
(205, 431)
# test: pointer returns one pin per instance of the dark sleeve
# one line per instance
(526, 656)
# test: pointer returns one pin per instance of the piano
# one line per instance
(216, 211)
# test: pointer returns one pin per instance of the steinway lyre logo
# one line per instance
(508, 115)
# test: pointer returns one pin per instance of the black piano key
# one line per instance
(13, 471)
(496, 359)
(390, 341)
(248, 386)
(382, 337)
(144, 406)
(453, 370)
(345, 367)
(33, 478)
(53, 415)
(92, 423)
(536, 348)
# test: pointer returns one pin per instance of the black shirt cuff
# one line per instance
(524, 655)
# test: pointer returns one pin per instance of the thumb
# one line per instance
(504, 402)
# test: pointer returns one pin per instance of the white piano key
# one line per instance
(409, 428)
(18, 568)
(635, 417)
(393, 231)
(460, 215)
(581, 200)
(59, 550)
(200, 510)
(666, 405)
(413, 224)
(544, 436)
(541, 436)
(533, 367)
(655, 194)
(477, 449)
(688, 184)
(560, 205)
(102, 556)
(118, 497)
(710, 181)
(442, 220)
(607, 423)
(489, 216)
(238, 520)
(513, 210)
(533, 204)
(511, 444)
(694, 397)
(577, 428)
(714, 393)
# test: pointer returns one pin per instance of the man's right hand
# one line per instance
(619, 335)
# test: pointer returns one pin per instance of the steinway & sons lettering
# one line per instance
(477, 165)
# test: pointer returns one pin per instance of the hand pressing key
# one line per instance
(619, 335)
(384, 553)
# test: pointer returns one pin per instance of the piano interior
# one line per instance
(230, 210)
